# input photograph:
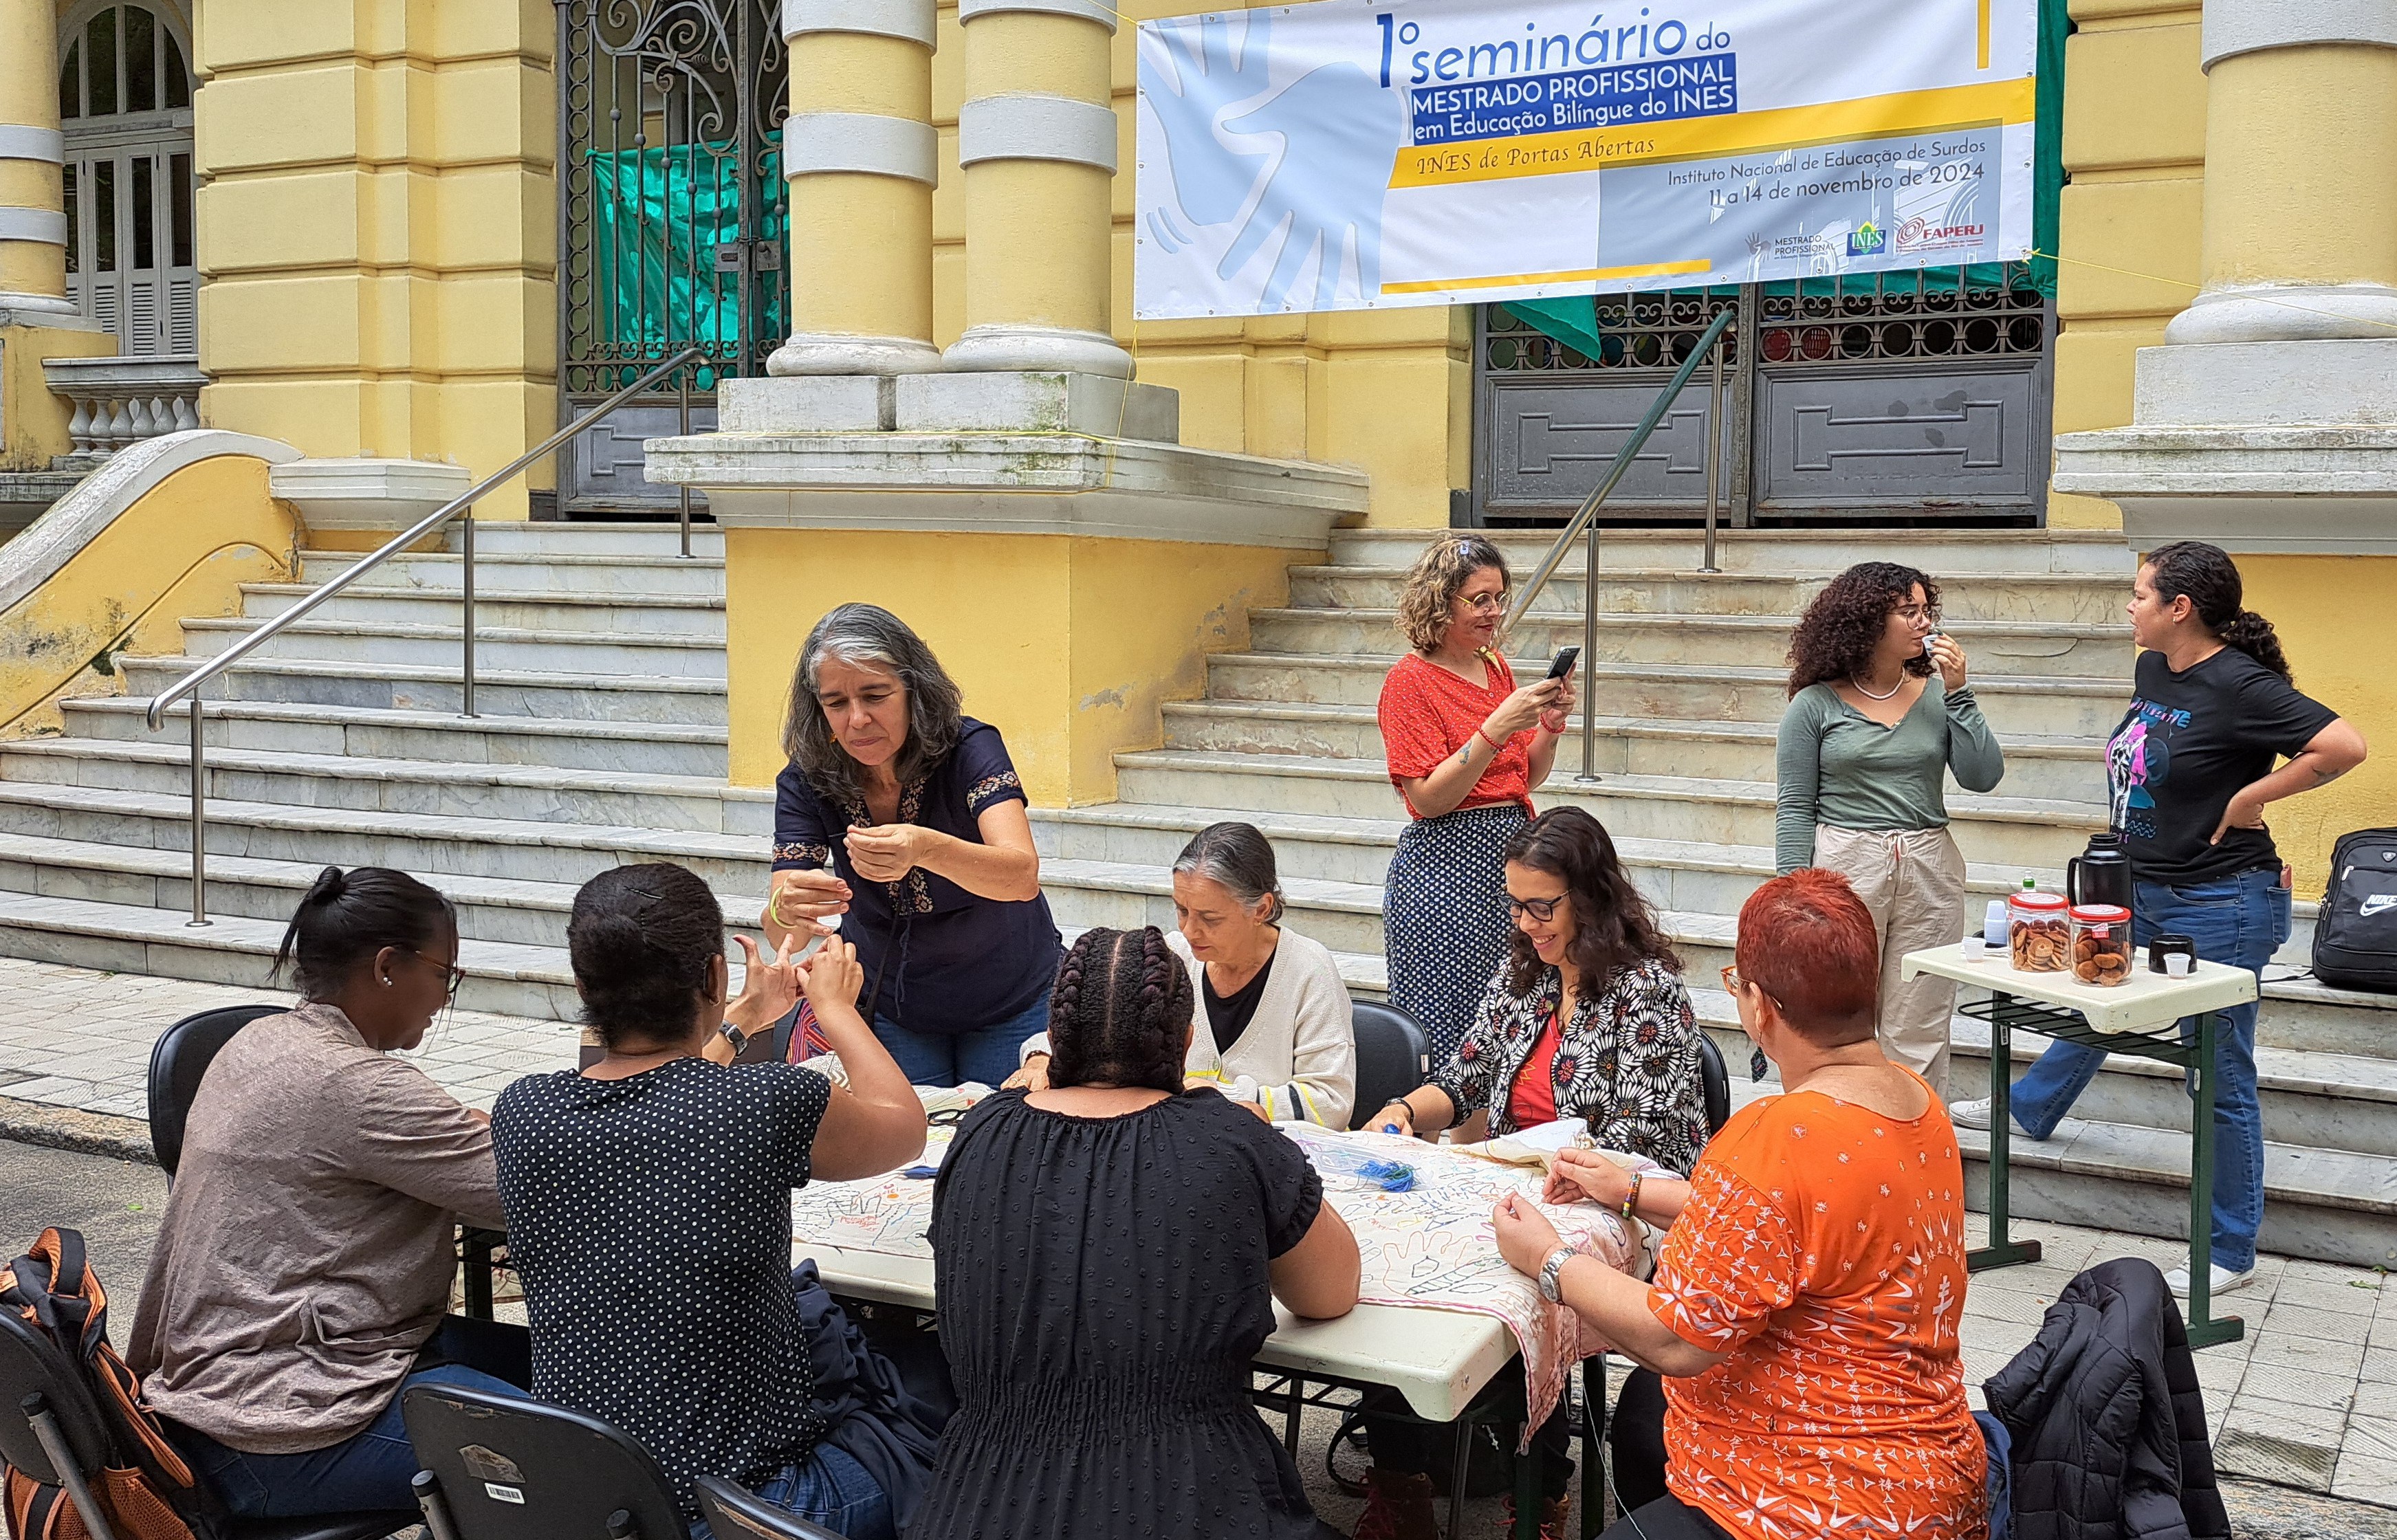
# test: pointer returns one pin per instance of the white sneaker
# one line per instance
(1975, 1114)
(2220, 1280)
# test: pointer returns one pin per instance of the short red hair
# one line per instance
(1807, 940)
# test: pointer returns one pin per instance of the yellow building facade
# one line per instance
(375, 193)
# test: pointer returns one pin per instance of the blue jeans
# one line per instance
(2240, 921)
(987, 1053)
(830, 1490)
(370, 1469)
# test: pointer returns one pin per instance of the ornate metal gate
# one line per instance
(671, 219)
(1921, 397)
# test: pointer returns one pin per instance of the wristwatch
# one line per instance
(1552, 1274)
(738, 1038)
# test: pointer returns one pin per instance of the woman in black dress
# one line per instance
(1107, 1251)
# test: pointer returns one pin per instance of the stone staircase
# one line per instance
(602, 740)
(1687, 680)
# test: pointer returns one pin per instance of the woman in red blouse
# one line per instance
(1464, 749)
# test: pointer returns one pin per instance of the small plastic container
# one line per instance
(2039, 932)
(2101, 943)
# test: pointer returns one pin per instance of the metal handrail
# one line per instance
(463, 505)
(1710, 342)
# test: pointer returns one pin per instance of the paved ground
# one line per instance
(2308, 1401)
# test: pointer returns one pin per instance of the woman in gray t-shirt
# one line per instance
(1878, 713)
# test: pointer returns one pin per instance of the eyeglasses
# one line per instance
(452, 975)
(1483, 604)
(1541, 909)
(1917, 612)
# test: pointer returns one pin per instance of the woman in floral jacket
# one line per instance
(1588, 1018)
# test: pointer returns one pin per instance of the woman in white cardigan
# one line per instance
(1277, 1033)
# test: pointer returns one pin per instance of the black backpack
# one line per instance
(2355, 935)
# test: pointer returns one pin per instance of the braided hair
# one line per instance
(1120, 1013)
(2211, 580)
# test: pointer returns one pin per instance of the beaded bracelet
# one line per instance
(1632, 1201)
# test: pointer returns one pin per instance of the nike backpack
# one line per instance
(2355, 935)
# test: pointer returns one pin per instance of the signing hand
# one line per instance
(799, 899)
(2246, 812)
(1580, 1175)
(769, 986)
(833, 976)
(1526, 1237)
(1034, 1075)
(1950, 659)
(886, 851)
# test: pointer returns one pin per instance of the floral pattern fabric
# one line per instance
(1823, 1250)
(1627, 1061)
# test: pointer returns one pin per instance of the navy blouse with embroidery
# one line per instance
(956, 962)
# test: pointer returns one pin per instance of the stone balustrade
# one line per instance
(119, 402)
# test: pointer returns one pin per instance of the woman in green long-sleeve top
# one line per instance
(1879, 710)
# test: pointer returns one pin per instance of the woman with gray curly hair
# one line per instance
(904, 815)
(1464, 749)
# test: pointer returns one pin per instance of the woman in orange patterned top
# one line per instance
(1805, 1302)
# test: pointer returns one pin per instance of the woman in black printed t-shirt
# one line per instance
(2189, 772)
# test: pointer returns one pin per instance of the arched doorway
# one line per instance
(125, 104)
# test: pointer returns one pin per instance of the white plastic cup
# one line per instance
(1975, 948)
(2177, 965)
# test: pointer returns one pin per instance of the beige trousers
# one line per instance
(1913, 882)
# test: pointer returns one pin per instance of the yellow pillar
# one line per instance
(32, 204)
(862, 158)
(2300, 239)
(1037, 141)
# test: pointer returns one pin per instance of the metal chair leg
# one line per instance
(63, 1461)
(435, 1507)
(1457, 1482)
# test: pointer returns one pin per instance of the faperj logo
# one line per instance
(1922, 235)
(1867, 240)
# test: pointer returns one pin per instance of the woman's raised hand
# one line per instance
(887, 852)
(1948, 659)
(799, 899)
(769, 986)
(833, 976)
(1579, 1175)
(1553, 719)
(1521, 711)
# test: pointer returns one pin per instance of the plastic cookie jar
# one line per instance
(2101, 943)
(2039, 934)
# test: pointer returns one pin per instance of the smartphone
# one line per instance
(1564, 663)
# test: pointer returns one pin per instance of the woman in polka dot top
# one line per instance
(649, 1206)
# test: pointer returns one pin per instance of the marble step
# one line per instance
(510, 910)
(2007, 647)
(2014, 832)
(2048, 708)
(444, 737)
(1941, 553)
(531, 571)
(118, 938)
(2317, 1100)
(595, 537)
(433, 846)
(2056, 769)
(600, 697)
(2070, 598)
(496, 647)
(534, 792)
(697, 617)
(2328, 1205)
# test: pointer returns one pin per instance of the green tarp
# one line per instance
(1573, 320)
(656, 216)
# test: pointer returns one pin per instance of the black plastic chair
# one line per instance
(733, 1513)
(1393, 1057)
(52, 1430)
(502, 1468)
(1716, 1078)
(178, 1060)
